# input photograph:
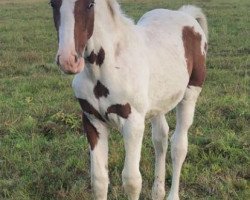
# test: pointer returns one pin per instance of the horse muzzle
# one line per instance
(70, 64)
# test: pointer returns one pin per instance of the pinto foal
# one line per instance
(127, 73)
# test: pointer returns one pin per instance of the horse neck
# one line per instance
(111, 28)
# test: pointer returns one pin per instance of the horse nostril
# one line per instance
(57, 60)
(76, 58)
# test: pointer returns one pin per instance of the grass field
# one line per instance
(43, 152)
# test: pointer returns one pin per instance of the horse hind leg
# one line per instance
(179, 140)
(160, 130)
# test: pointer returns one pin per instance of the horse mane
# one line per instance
(117, 13)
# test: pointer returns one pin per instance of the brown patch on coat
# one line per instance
(100, 90)
(91, 132)
(84, 24)
(88, 108)
(194, 57)
(97, 59)
(100, 57)
(91, 58)
(121, 110)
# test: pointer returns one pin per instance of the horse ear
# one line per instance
(111, 8)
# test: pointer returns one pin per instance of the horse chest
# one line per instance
(107, 102)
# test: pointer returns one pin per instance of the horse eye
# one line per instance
(52, 4)
(91, 5)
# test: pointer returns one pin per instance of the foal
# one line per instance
(127, 73)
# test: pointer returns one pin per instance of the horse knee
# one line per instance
(100, 187)
(179, 145)
(158, 191)
(132, 186)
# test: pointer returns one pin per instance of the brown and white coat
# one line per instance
(128, 72)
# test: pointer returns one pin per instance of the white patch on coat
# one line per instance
(67, 28)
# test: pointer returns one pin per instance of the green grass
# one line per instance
(43, 152)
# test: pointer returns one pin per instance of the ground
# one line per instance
(43, 152)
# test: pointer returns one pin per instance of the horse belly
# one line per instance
(168, 80)
(168, 74)
(166, 92)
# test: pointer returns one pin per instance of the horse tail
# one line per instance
(198, 14)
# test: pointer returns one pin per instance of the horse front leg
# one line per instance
(133, 135)
(97, 134)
